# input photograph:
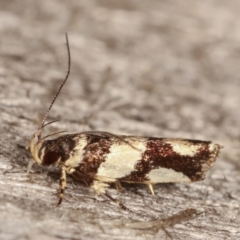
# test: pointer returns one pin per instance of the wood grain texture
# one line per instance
(147, 68)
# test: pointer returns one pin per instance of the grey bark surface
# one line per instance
(145, 68)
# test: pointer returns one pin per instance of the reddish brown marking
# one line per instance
(160, 154)
(96, 152)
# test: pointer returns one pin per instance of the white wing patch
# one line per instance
(166, 175)
(77, 155)
(121, 160)
(183, 147)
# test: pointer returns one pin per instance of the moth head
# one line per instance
(36, 142)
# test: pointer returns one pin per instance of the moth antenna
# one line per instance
(60, 88)
(55, 133)
(46, 124)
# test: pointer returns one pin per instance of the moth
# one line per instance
(100, 158)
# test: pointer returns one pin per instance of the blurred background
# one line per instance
(146, 68)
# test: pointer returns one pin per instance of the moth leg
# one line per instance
(151, 188)
(62, 184)
(118, 186)
(116, 201)
(29, 166)
(100, 188)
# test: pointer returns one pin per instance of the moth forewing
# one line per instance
(156, 160)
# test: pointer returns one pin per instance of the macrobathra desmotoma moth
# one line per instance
(100, 158)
